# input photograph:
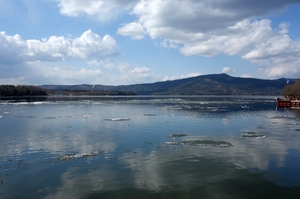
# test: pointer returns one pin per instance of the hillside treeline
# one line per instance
(215, 84)
(10, 90)
(292, 90)
(85, 92)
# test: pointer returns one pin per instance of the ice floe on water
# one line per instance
(253, 135)
(212, 143)
(149, 114)
(283, 117)
(82, 116)
(80, 155)
(24, 103)
(49, 118)
(176, 135)
(5, 113)
(30, 116)
(117, 119)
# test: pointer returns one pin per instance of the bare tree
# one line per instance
(292, 90)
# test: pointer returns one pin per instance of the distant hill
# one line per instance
(216, 84)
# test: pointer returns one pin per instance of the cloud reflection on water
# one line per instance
(155, 167)
(182, 169)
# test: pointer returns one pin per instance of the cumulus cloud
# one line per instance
(227, 70)
(134, 30)
(204, 28)
(208, 28)
(182, 18)
(15, 50)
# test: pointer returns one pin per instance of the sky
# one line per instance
(122, 42)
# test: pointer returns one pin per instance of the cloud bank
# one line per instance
(206, 28)
(55, 48)
(103, 10)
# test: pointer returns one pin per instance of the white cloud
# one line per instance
(227, 70)
(14, 49)
(167, 44)
(246, 76)
(62, 74)
(132, 75)
(92, 45)
(234, 40)
(166, 78)
(102, 63)
(140, 75)
(81, 74)
(191, 75)
(193, 16)
(208, 28)
(284, 70)
(204, 28)
(121, 72)
(104, 72)
(134, 30)
(103, 10)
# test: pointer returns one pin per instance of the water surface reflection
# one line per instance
(164, 147)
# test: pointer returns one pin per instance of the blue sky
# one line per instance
(121, 42)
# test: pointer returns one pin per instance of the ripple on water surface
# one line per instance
(80, 155)
(117, 119)
(212, 143)
(253, 135)
(176, 135)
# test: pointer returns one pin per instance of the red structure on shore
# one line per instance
(288, 102)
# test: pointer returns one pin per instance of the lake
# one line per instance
(148, 147)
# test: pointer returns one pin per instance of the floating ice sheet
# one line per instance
(149, 114)
(77, 156)
(213, 143)
(23, 103)
(117, 119)
(49, 118)
(175, 135)
(253, 135)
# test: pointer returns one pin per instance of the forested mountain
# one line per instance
(216, 84)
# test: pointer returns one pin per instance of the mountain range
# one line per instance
(215, 84)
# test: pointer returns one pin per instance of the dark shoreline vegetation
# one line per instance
(292, 90)
(23, 90)
(89, 92)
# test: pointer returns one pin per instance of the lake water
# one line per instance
(148, 147)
